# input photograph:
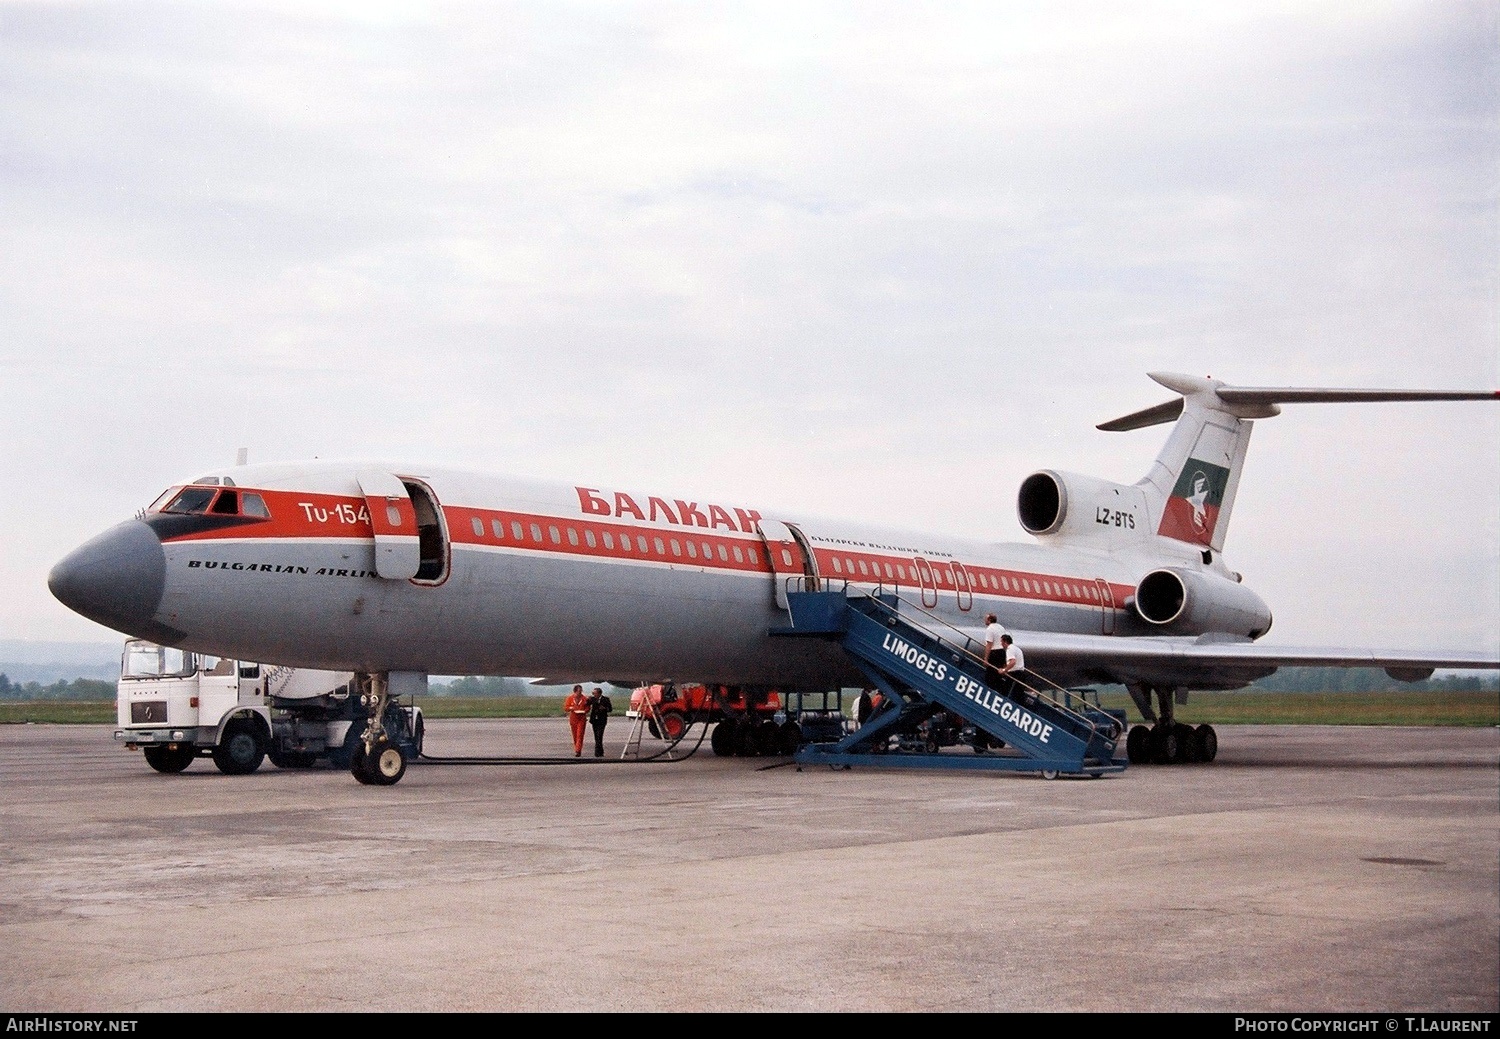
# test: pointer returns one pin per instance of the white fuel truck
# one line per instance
(175, 706)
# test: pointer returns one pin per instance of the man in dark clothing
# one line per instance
(863, 707)
(600, 708)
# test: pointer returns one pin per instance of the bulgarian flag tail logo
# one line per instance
(1192, 512)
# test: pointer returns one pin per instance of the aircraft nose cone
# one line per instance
(116, 579)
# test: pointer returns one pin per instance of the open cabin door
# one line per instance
(393, 519)
(792, 563)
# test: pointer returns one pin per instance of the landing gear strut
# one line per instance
(1167, 741)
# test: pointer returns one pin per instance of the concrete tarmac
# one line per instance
(1308, 869)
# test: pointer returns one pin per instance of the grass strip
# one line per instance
(1236, 708)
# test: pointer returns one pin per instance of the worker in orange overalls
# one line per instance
(576, 707)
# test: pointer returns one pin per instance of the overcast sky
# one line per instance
(849, 260)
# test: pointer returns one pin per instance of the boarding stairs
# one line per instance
(923, 666)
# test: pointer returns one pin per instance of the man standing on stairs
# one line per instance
(1015, 663)
(994, 653)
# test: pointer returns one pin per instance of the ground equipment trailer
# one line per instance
(176, 706)
(746, 723)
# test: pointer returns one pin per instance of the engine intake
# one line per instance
(1042, 503)
(1072, 507)
(1192, 602)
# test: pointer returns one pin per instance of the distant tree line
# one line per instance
(77, 689)
(1371, 680)
(481, 685)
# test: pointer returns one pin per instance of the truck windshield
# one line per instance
(148, 660)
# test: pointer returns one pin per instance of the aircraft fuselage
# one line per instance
(549, 580)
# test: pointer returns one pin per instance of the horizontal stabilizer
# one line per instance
(1168, 412)
(1300, 395)
(1251, 402)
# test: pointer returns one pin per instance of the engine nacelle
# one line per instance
(1052, 503)
(1192, 602)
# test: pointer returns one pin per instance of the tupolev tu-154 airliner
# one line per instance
(396, 572)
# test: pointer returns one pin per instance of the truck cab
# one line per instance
(173, 704)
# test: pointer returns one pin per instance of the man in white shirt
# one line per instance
(1015, 663)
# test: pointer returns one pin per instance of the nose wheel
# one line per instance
(384, 766)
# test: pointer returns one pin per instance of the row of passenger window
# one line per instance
(624, 543)
(742, 555)
(898, 572)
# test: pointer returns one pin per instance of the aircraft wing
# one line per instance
(1209, 661)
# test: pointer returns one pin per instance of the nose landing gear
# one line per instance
(377, 759)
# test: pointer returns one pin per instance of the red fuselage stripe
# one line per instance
(296, 516)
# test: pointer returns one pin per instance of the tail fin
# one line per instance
(1192, 483)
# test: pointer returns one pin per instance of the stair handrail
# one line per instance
(1069, 694)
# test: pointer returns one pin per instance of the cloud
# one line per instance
(846, 258)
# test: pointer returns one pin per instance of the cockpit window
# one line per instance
(196, 500)
(191, 500)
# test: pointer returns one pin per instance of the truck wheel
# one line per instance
(169, 760)
(239, 753)
(674, 725)
(343, 755)
(723, 739)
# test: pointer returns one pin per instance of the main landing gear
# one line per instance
(1167, 741)
(752, 737)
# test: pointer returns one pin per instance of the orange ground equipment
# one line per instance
(746, 722)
